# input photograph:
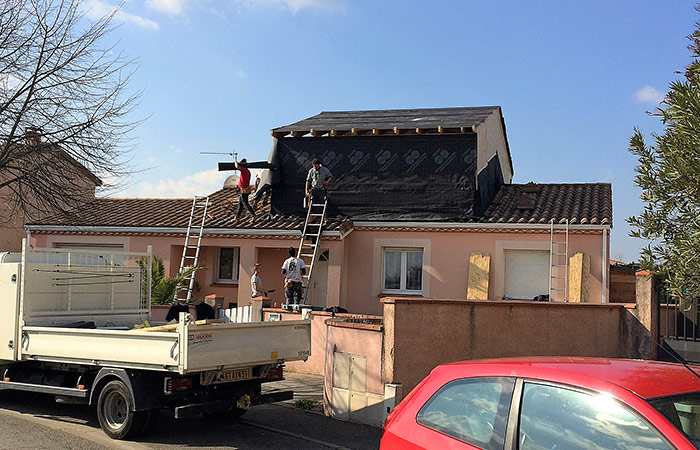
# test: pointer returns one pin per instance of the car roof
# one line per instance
(647, 379)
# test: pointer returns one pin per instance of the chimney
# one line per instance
(528, 196)
(32, 136)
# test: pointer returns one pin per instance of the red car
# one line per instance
(550, 403)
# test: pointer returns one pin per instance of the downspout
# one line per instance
(29, 237)
(604, 269)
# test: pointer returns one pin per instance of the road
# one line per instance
(35, 421)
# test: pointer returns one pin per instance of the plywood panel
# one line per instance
(478, 285)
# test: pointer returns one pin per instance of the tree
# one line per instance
(669, 176)
(163, 288)
(63, 101)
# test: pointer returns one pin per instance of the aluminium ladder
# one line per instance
(558, 260)
(193, 241)
(313, 226)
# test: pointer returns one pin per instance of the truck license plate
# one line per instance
(235, 374)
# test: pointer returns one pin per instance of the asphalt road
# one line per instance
(34, 421)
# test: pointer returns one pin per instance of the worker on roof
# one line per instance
(318, 179)
(245, 188)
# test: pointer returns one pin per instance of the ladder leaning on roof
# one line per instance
(313, 227)
(193, 241)
(558, 260)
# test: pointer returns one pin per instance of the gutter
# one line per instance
(170, 230)
(461, 225)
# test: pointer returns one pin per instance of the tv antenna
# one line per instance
(234, 154)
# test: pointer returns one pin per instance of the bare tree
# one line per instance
(64, 105)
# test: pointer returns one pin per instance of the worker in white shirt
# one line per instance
(256, 282)
(293, 269)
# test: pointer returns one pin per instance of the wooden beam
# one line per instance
(277, 134)
(417, 130)
(440, 129)
(334, 132)
(473, 128)
(396, 130)
(314, 133)
(375, 131)
(298, 133)
(353, 132)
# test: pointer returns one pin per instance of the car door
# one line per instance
(467, 413)
(553, 416)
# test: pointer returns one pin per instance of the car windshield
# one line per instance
(683, 411)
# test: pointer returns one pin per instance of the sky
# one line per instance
(573, 78)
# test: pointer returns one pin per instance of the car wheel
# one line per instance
(115, 411)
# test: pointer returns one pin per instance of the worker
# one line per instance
(293, 269)
(317, 180)
(245, 188)
(256, 282)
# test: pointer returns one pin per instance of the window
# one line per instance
(556, 417)
(471, 410)
(227, 267)
(403, 271)
(683, 411)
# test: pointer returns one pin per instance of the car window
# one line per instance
(473, 410)
(683, 411)
(558, 418)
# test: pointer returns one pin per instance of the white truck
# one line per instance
(67, 328)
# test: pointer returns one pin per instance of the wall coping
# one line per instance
(409, 300)
(324, 314)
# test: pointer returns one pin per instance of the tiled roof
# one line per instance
(175, 213)
(583, 204)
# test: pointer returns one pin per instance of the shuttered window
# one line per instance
(527, 274)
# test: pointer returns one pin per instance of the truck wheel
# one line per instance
(115, 414)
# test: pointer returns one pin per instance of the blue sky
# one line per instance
(573, 78)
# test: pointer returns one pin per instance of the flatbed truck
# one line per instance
(67, 328)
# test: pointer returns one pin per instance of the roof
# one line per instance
(580, 203)
(643, 378)
(175, 213)
(390, 120)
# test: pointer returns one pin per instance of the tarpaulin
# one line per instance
(409, 177)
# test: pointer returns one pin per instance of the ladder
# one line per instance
(311, 238)
(193, 241)
(558, 260)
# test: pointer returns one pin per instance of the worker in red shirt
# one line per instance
(245, 188)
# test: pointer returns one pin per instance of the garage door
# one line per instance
(527, 273)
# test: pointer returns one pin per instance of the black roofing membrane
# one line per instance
(408, 177)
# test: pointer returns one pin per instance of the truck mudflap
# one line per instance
(184, 411)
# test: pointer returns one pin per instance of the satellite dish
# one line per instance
(231, 182)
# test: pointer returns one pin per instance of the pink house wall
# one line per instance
(446, 261)
(355, 263)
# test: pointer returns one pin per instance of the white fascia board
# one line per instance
(475, 226)
(168, 230)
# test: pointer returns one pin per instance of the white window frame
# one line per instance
(235, 269)
(404, 264)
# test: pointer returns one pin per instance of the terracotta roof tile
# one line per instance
(175, 213)
(584, 203)
(514, 204)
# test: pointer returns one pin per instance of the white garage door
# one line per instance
(527, 273)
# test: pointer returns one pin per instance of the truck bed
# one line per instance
(191, 348)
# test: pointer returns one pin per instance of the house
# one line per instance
(52, 170)
(422, 204)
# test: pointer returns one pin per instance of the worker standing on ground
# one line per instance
(245, 188)
(293, 269)
(256, 282)
(317, 180)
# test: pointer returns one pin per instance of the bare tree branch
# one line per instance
(64, 105)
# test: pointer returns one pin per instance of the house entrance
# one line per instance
(319, 282)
